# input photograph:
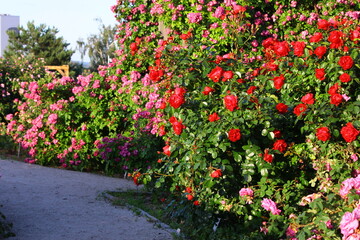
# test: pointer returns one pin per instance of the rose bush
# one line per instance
(257, 105)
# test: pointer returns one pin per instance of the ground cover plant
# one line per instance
(248, 111)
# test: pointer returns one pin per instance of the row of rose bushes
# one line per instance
(257, 106)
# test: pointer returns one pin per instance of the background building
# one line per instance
(7, 22)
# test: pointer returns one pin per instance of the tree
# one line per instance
(38, 42)
(101, 47)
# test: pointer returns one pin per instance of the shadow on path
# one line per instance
(52, 204)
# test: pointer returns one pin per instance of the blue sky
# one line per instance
(74, 19)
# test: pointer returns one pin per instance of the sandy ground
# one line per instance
(52, 204)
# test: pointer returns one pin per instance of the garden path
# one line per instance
(53, 204)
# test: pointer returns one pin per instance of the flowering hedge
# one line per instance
(257, 104)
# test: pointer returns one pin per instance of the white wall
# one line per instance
(6, 22)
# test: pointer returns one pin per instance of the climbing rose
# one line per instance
(246, 192)
(300, 108)
(177, 125)
(355, 35)
(316, 37)
(176, 100)
(227, 75)
(208, 90)
(270, 205)
(216, 73)
(234, 135)
(268, 157)
(320, 73)
(323, 24)
(346, 62)
(280, 145)
(336, 99)
(282, 108)
(308, 99)
(194, 17)
(216, 174)
(281, 49)
(344, 78)
(349, 224)
(279, 81)
(155, 74)
(320, 51)
(231, 102)
(334, 89)
(323, 134)
(336, 39)
(349, 132)
(214, 117)
(166, 150)
(251, 90)
(298, 48)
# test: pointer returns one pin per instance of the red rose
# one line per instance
(320, 73)
(136, 178)
(344, 78)
(196, 203)
(323, 134)
(271, 66)
(316, 37)
(334, 89)
(155, 74)
(349, 132)
(320, 51)
(323, 24)
(298, 48)
(354, 35)
(346, 62)
(279, 81)
(234, 135)
(177, 125)
(231, 102)
(336, 39)
(190, 197)
(214, 117)
(176, 100)
(216, 174)
(208, 90)
(280, 145)
(166, 150)
(282, 108)
(308, 99)
(133, 46)
(251, 90)
(268, 157)
(300, 108)
(269, 42)
(277, 133)
(227, 75)
(336, 99)
(216, 74)
(180, 91)
(281, 49)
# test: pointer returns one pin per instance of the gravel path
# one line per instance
(52, 204)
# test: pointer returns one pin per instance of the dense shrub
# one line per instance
(257, 104)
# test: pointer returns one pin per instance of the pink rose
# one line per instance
(270, 205)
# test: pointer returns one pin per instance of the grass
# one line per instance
(5, 228)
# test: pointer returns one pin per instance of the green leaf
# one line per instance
(237, 156)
